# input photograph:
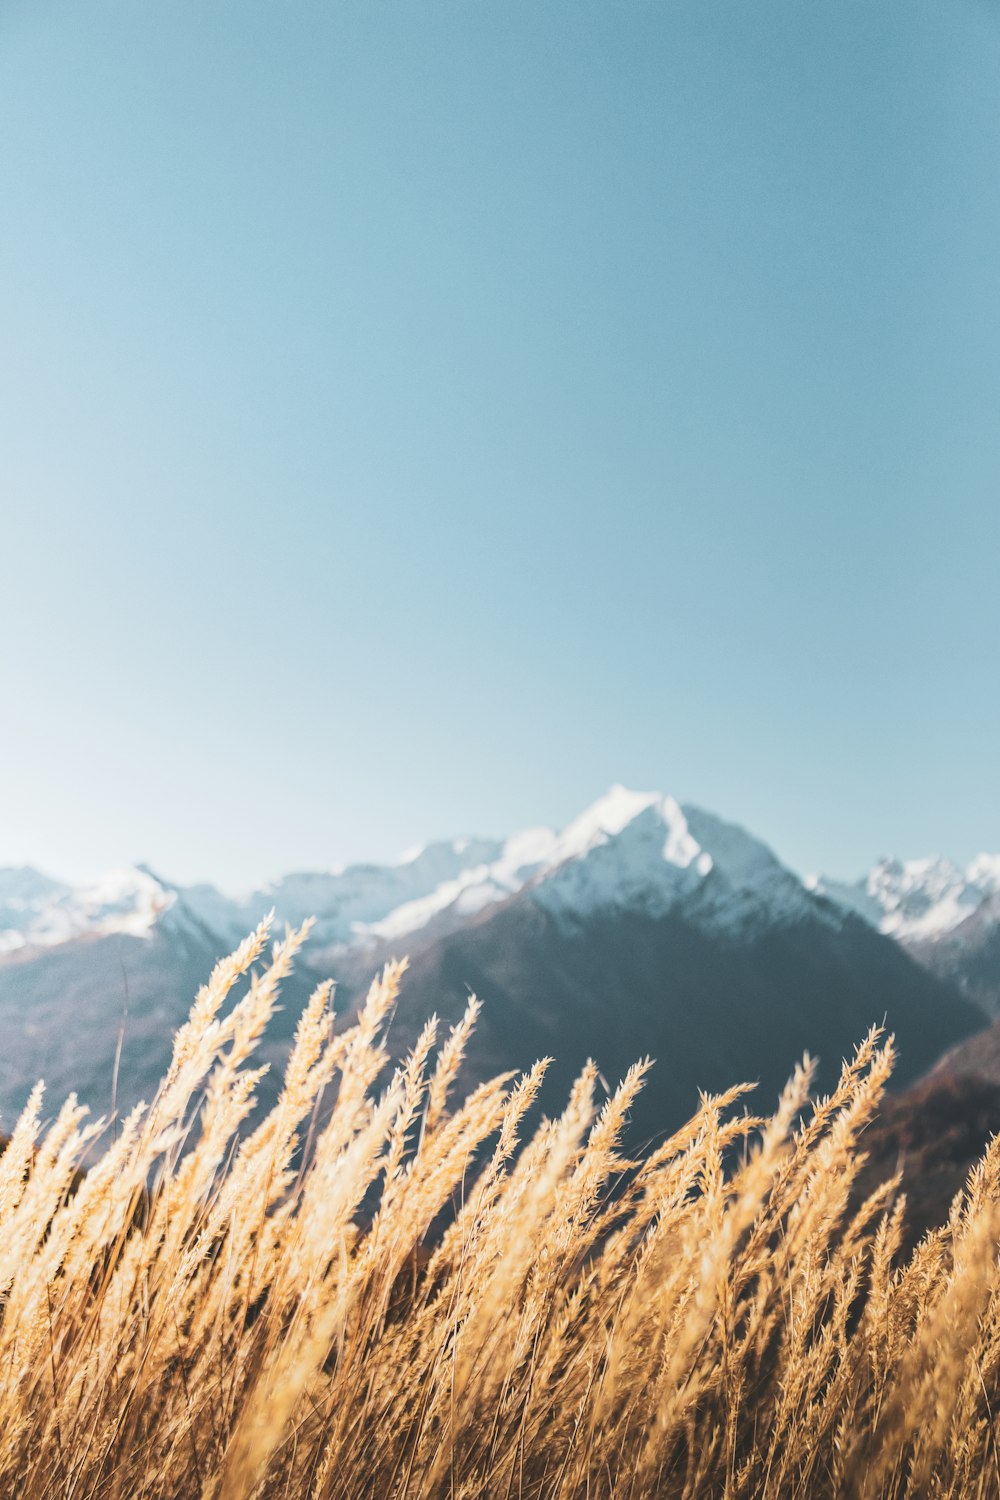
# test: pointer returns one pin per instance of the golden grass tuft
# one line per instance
(719, 1320)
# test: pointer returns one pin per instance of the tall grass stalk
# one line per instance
(282, 1313)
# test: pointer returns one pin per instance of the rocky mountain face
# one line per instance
(643, 928)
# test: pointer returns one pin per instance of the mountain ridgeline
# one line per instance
(642, 929)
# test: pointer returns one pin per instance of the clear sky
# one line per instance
(416, 416)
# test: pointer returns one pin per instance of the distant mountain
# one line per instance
(946, 918)
(38, 912)
(660, 929)
(644, 927)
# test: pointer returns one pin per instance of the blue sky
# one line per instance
(415, 417)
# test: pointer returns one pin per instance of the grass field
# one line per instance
(274, 1315)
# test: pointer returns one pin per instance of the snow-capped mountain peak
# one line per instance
(602, 820)
(25, 894)
(984, 872)
(41, 912)
(916, 900)
(647, 851)
(627, 849)
(947, 918)
(519, 859)
(921, 897)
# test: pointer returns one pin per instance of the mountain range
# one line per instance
(642, 928)
(946, 918)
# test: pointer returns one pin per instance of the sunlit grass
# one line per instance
(273, 1316)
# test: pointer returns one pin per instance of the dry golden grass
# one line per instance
(726, 1323)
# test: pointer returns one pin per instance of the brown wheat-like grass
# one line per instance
(718, 1320)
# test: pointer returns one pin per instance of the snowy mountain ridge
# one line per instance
(647, 852)
(629, 849)
(37, 911)
(916, 900)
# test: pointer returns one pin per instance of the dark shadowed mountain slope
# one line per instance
(711, 1008)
